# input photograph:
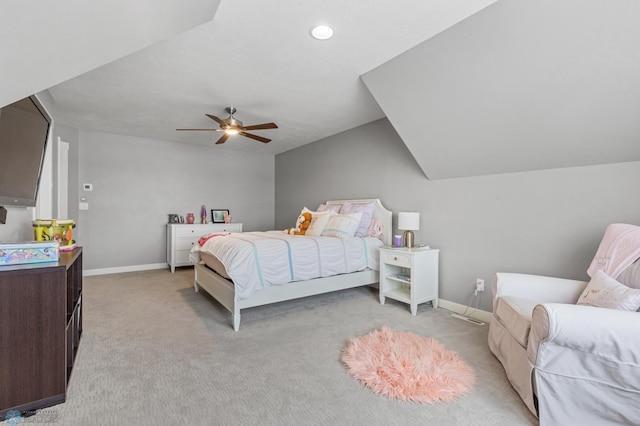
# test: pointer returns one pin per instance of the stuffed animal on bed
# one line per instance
(303, 222)
(376, 229)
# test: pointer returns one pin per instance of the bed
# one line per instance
(251, 290)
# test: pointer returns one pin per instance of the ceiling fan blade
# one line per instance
(199, 130)
(222, 139)
(256, 137)
(261, 126)
(216, 119)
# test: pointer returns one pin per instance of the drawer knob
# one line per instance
(395, 258)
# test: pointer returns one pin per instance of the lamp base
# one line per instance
(407, 239)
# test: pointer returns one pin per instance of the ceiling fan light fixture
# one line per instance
(231, 131)
(321, 32)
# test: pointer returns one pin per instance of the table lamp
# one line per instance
(408, 222)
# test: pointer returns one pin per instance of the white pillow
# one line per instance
(605, 292)
(367, 214)
(342, 225)
(318, 222)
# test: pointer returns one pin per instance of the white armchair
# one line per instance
(570, 364)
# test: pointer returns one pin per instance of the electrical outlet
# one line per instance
(479, 284)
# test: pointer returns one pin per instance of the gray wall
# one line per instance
(138, 182)
(561, 83)
(541, 222)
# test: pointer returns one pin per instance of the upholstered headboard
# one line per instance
(379, 212)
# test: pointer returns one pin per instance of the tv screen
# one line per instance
(24, 131)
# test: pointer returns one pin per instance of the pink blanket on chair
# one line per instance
(619, 248)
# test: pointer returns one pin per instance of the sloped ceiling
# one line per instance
(521, 85)
(47, 42)
(258, 56)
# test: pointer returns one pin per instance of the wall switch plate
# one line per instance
(83, 206)
(87, 186)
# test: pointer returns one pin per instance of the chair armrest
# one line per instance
(606, 333)
(586, 364)
(536, 288)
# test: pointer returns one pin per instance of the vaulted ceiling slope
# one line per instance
(47, 42)
(255, 55)
(521, 85)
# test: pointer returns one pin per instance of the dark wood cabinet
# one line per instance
(40, 329)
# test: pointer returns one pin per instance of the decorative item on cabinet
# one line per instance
(190, 218)
(203, 214)
(217, 215)
(173, 218)
(227, 218)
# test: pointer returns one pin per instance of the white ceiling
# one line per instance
(257, 56)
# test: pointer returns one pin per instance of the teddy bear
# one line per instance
(303, 222)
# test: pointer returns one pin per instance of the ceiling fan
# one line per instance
(232, 126)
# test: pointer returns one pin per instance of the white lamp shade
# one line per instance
(409, 221)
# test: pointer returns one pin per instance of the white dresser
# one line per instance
(181, 238)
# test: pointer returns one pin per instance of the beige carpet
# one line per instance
(154, 352)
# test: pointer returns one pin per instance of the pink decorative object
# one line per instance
(227, 218)
(190, 218)
(407, 367)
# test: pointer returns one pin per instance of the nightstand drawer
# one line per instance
(398, 259)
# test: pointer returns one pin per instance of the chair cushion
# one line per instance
(515, 314)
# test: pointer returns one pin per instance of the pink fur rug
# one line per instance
(407, 367)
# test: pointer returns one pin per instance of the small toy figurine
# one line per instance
(203, 214)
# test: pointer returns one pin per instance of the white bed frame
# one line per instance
(224, 291)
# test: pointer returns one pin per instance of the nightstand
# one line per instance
(409, 275)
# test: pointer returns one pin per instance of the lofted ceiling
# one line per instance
(255, 55)
(44, 43)
(472, 87)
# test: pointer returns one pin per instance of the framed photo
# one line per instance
(217, 216)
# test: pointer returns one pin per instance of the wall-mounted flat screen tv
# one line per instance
(24, 132)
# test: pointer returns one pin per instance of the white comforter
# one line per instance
(255, 260)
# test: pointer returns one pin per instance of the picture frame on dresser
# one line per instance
(217, 216)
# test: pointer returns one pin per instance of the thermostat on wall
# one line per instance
(87, 186)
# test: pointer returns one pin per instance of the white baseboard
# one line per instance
(478, 314)
(120, 269)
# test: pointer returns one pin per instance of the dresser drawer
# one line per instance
(182, 257)
(186, 243)
(191, 231)
(398, 259)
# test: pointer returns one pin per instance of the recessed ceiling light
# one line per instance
(322, 32)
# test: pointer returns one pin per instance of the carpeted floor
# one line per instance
(154, 352)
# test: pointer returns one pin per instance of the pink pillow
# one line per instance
(605, 292)
(365, 220)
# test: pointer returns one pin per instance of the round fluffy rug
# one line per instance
(407, 367)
